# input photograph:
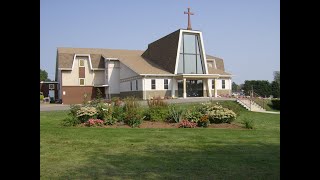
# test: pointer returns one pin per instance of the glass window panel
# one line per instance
(198, 45)
(199, 65)
(180, 64)
(189, 44)
(190, 64)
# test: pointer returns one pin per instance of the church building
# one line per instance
(174, 66)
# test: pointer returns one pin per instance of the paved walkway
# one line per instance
(271, 112)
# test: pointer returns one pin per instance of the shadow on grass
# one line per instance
(218, 161)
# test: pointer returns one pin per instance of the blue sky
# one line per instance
(246, 33)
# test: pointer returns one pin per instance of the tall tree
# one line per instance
(43, 75)
(261, 87)
(275, 86)
(235, 87)
(276, 76)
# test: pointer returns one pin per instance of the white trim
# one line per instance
(204, 54)
(215, 64)
(202, 48)
(158, 74)
(80, 63)
(84, 82)
(178, 52)
(74, 58)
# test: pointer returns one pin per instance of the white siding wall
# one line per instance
(126, 72)
(125, 86)
(159, 83)
(113, 76)
(71, 78)
(227, 84)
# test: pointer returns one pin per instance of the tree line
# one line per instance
(261, 87)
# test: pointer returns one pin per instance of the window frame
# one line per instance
(223, 84)
(81, 60)
(84, 81)
(136, 84)
(212, 84)
(153, 85)
(165, 84)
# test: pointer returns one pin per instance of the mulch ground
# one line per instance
(151, 124)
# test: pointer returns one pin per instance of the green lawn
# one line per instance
(101, 153)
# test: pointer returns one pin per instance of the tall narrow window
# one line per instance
(81, 63)
(190, 59)
(165, 83)
(212, 84)
(137, 84)
(153, 84)
(223, 84)
(81, 81)
(131, 85)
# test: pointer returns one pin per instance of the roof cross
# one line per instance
(189, 22)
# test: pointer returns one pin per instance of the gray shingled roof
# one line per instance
(159, 58)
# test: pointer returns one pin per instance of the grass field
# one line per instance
(103, 153)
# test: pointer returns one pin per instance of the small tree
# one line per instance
(235, 87)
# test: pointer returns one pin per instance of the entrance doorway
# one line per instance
(194, 88)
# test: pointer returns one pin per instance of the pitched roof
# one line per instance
(131, 58)
(163, 52)
(159, 58)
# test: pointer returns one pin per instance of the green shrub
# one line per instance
(41, 97)
(133, 118)
(204, 121)
(104, 111)
(175, 113)
(131, 103)
(70, 121)
(193, 115)
(218, 114)
(118, 113)
(156, 113)
(187, 124)
(74, 108)
(86, 113)
(248, 123)
(276, 104)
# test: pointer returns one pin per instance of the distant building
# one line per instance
(49, 89)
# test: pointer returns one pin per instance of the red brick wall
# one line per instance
(44, 88)
(75, 94)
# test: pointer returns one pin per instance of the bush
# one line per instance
(156, 113)
(218, 114)
(174, 113)
(41, 97)
(74, 109)
(133, 118)
(70, 121)
(86, 113)
(118, 113)
(276, 104)
(204, 121)
(104, 111)
(187, 124)
(248, 123)
(131, 103)
(193, 115)
(94, 122)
